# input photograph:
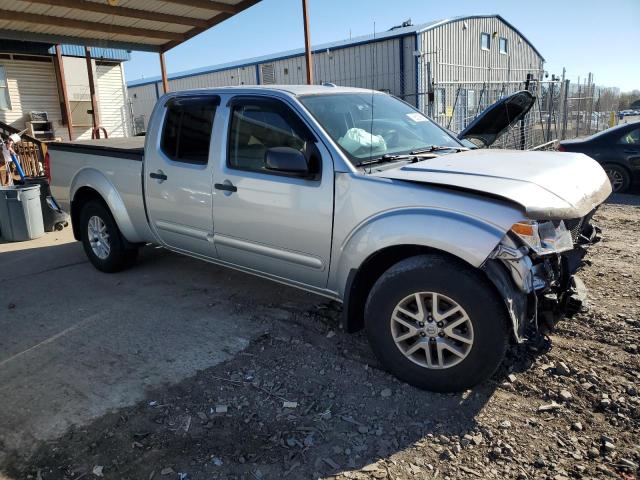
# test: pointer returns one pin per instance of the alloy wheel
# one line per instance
(432, 330)
(99, 237)
(615, 177)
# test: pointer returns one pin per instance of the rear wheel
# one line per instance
(436, 324)
(103, 243)
(618, 176)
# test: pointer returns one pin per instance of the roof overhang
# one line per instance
(145, 25)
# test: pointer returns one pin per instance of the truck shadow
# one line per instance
(302, 399)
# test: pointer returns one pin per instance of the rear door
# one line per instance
(280, 225)
(178, 175)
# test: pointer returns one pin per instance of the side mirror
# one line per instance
(286, 160)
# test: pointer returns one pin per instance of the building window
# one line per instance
(485, 41)
(5, 100)
(186, 135)
(503, 45)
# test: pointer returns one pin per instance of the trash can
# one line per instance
(20, 213)
(53, 216)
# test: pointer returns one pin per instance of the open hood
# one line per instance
(494, 120)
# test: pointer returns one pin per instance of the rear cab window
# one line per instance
(186, 134)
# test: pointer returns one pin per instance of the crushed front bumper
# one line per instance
(539, 291)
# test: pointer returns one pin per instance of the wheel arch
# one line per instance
(90, 184)
(460, 238)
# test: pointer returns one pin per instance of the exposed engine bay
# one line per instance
(540, 287)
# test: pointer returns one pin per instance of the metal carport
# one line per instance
(144, 25)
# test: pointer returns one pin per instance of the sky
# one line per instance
(601, 37)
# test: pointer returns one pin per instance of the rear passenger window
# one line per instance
(257, 126)
(186, 135)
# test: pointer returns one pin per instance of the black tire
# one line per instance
(618, 176)
(121, 255)
(466, 287)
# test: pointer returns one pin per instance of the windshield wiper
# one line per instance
(412, 155)
(437, 148)
(389, 158)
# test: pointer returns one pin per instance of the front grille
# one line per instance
(576, 225)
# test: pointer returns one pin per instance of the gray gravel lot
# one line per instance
(77, 343)
(182, 370)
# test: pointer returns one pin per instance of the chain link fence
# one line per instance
(561, 110)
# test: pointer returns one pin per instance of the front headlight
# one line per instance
(544, 237)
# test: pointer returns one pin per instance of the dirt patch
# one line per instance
(308, 401)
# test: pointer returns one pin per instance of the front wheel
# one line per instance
(103, 243)
(436, 323)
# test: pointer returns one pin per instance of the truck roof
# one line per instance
(295, 90)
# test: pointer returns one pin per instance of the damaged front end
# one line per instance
(534, 268)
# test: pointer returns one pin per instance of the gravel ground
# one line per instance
(308, 401)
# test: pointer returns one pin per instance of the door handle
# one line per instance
(631, 151)
(159, 175)
(228, 187)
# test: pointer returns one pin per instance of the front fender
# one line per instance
(468, 238)
(96, 180)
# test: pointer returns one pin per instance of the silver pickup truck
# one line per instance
(444, 253)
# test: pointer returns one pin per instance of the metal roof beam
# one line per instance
(91, 26)
(123, 12)
(221, 17)
(207, 5)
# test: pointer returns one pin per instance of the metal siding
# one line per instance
(32, 87)
(111, 100)
(455, 53)
(350, 66)
(143, 99)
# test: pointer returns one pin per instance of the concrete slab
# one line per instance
(77, 343)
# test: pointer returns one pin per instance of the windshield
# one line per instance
(368, 126)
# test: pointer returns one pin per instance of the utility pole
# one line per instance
(307, 43)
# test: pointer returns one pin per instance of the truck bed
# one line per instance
(131, 148)
(113, 167)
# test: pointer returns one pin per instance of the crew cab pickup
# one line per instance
(443, 252)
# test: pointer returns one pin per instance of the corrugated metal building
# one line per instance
(413, 62)
(29, 82)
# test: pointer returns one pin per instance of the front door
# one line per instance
(178, 175)
(265, 221)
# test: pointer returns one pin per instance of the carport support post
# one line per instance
(307, 43)
(163, 73)
(95, 114)
(65, 95)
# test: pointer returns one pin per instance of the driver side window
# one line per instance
(631, 138)
(257, 126)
